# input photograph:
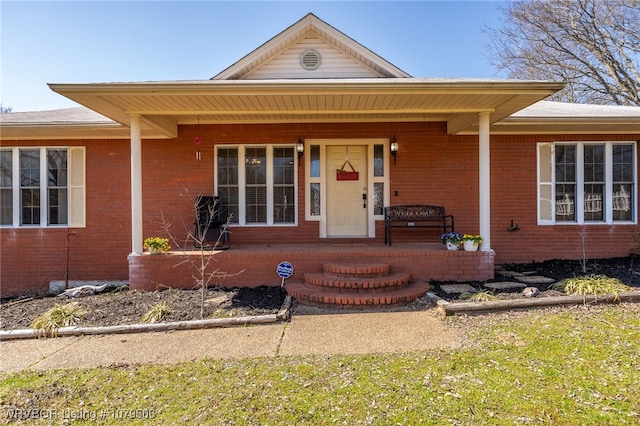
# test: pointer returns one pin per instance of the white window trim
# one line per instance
(76, 187)
(322, 179)
(242, 211)
(579, 198)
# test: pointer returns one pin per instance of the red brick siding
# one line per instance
(431, 168)
(31, 257)
(513, 197)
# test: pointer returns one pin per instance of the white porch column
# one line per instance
(484, 183)
(136, 185)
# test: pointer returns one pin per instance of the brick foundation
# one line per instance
(253, 266)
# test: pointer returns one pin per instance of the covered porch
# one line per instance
(255, 265)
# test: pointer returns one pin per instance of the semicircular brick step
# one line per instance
(357, 269)
(356, 286)
(359, 284)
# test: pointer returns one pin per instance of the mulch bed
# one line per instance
(122, 307)
(626, 269)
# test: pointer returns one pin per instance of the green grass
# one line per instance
(576, 367)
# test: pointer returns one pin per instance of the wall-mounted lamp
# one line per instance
(300, 148)
(394, 148)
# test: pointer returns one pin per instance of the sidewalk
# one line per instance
(323, 334)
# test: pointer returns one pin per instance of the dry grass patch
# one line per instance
(59, 316)
(592, 284)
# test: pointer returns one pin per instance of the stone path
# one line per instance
(505, 285)
(457, 288)
(514, 282)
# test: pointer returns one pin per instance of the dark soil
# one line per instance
(626, 269)
(121, 306)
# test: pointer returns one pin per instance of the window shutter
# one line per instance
(545, 183)
(77, 193)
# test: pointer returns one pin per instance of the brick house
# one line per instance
(81, 188)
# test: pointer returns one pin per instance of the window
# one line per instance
(227, 165)
(6, 187)
(255, 170)
(314, 181)
(283, 185)
(57, 187)
(378, 180)
(586, 182)
(42, 187)
(266, 183)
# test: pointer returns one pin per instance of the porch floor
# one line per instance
(245, 265)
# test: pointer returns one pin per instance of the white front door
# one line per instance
(347, 203)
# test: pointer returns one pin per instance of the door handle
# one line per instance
(364, 201)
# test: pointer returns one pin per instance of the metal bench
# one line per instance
(415, 216)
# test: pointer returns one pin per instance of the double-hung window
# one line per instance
(257, 183)
(587, 183)
(41, 187)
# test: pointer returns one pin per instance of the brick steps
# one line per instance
(360, 270)
(356, 286)
(318, 296)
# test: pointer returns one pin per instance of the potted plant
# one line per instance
(157, 245)
(471, 242)
(451, 239)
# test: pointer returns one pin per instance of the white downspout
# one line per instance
(136, 185)
(484, 183)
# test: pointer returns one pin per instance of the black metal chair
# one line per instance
(211, 224)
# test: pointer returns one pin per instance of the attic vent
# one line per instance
(310, 59)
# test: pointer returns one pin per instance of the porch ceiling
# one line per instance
(165, 105)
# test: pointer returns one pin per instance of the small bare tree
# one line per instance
(592, 45)
(204, 274)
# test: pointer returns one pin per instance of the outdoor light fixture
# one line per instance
(300, 148)
(394, 148)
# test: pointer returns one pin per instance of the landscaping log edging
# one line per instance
(283, 315)
(459, 308)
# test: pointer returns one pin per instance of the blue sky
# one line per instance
(107, 41)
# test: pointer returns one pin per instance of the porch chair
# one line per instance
(211, 230)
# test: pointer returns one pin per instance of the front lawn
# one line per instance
(570, 366)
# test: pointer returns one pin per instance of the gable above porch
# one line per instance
(335, 55)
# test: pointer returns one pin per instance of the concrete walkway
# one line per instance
(316, 333)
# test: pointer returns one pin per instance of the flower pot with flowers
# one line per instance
(157, 245)
(471, 242)
(451, 239)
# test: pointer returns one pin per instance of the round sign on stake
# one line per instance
(284, 270)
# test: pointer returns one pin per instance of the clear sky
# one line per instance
(120, 41)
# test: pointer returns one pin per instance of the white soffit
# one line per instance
(164, 105)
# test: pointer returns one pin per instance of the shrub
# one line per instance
(50, 321)
(483, 296)
(592, 284)
(156, 313)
